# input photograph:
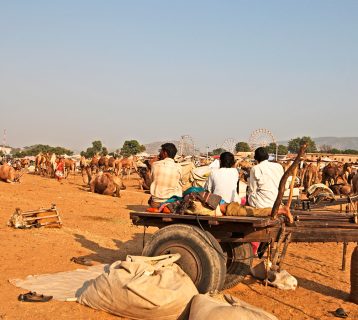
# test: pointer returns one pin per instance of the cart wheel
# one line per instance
(238, 263)
(201, 256)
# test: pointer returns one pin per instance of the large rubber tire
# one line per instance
(201, 256)
(238, 263)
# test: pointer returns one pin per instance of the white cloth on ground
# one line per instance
(63, 286)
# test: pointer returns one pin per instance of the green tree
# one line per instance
(295, 144)
(97, 147)
(350, 151)
(36, 149)
(217, 151)
(242, 147)
(271, 148)
(131, 147)
(104, 151)
(282, 150)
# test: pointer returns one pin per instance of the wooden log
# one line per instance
(354, 276)
(288, 204)
(281, 188)
(345, 245)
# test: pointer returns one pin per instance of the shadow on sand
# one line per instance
(137, 208)
(322, 289)
(107, 255)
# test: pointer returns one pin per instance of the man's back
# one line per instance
(263, 186)
(166, 175)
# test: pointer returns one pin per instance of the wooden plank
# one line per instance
(323, 235)
(39, 218)
(326, 224)
(255, 221)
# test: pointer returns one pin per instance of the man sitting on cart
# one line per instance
(264, 181)
(166, 177)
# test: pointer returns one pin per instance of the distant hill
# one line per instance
(153, 147)
(341, 143)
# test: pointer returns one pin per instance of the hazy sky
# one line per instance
(75, 71)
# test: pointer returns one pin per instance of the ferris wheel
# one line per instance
(186, 146)
(261, 138)
(229, 145)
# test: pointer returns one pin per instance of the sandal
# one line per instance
(33, 297)
(81, 260)
(340, 313)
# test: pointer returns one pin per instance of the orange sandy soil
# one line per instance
(98, 227)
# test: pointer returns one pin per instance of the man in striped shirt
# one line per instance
(166, 177)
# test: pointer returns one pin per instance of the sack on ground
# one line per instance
(142, 288)
(204, 307)
(281, 280)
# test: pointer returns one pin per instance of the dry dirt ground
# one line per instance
(98, 227)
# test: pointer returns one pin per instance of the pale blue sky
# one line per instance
(75, 71)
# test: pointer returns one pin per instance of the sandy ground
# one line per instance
(98, 227)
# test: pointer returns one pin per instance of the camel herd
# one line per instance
(105, 174)
(340, 177)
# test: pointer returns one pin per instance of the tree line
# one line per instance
(130, 147)
(39, 148)
(293, 146)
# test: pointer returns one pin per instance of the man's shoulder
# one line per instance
(276, 166)
(168, 162)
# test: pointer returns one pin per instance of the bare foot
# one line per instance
(285, 211)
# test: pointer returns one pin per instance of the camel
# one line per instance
(103, 163)
(335, 177)
(7, 173)
(107, 184)
(53, 163)
(83, 162)
(24, 162)
(355, 183)
(128, 164)
(70, 165)
(145, 174)
(311, 175)
(94, 162)
(40, 163)
(86, 174)
(115, 164)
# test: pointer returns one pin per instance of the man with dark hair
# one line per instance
(264, 181)
(223, 181)
(261, 154)
(166, 176)
(170, 149)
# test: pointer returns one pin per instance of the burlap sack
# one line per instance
(204, 307)
(142, 288)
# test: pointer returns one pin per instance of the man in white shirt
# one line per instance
(223, 181)
(264, 181)
(166, 176)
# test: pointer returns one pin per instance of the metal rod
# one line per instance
(344, 256)
(284, 250)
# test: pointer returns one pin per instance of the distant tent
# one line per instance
(326, 159)
(143, 154)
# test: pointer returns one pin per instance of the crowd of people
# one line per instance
(262, 188)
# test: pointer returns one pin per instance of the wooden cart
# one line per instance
(216, 252)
